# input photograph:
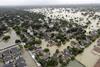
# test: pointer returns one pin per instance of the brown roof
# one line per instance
(98, 42)
(97, 49)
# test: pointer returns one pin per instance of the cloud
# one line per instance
(46, 2)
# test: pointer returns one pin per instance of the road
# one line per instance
(29, 61)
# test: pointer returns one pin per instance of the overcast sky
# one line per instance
(46, 2)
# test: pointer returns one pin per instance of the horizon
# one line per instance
(50, 5)
(46, 2)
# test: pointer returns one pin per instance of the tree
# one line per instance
(58, 44)
(98, 31)
(52, 62)
(42, 62)
(17, 41)
(23, 38)
(17, 29)
(6, 38)
(46, 50)
(38, 41)
(64, 64)
(72, 58)
(29, 47)
(57, 51)
(21, 47)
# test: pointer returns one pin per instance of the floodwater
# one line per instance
(75, 63)
(11, 41)
(87, 57)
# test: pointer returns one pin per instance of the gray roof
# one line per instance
(6, 53)
(7, 58)
(21, 65)
(8, 65)
(15, 51)
(0, 55)
(20, 62)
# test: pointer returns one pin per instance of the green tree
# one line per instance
(17, 41)
(6, 38)
(52, 62)
(46, 50)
